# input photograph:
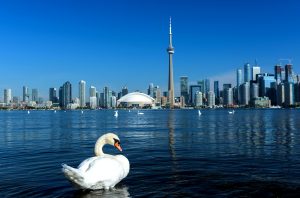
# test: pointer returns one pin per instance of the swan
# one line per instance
(103, 171)
(116, 114)
(28, 112)
(199, 113)
(140, 113)
(231, 112)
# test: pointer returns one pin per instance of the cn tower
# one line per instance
(170, 51)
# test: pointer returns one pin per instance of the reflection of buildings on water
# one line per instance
(171, 135)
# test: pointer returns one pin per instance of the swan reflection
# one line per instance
(119, 191)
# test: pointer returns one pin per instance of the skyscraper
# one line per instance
(255, 71)
(211, 99)
(35, 95)
(277, 69)
(7, 96)
(247, 72)
(238, 77)
(66, 94)
(52, 95)
(93, 98)
(184, 88)
(289, 73)
(82, 93)
(216, 89)
(170, 51)
(125, 91)
(25, 94)
(151, 90)
(207, 86)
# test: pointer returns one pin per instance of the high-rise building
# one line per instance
(66, 94)
(193, 90)
(289, 93)
(52, 95)
(245, 93)
(216, 89)
(93, 91)
(207, 86)
(184, 88)
(25, 94)
(255, 72)
(170, 51)
(82, 93)
(211, 99)
(107, 100)
(277, 69)
(125, 91)
(280, 94)
(198, 99)
(228, 97)
(35, 95)
(7, 96)
(297, 93)
(254, 91)
(151, 90)
(239, 79)
(247, 73)
(202, 84)
(289, 73)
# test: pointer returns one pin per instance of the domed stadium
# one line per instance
(136, 99)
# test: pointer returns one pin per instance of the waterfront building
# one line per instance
(25, 94)
(254, 91)
(201, 83)
(198, 99)
(280, 94)
(52, 95)
(211, 99)
(93, 98)
(113, 101)
(297, 93)
(193, 90)
(81, 86)
(261, 102)
(216, 89)
(136, 99)
(247, 73)
(7, 96)
(239, 79)
(267, 86)
(227, 97)
(277, 70)
(226, 86)
(150, 90)
(289, 94)
(184, 88)
(207, 86)
(66, 94)
(255, 72)
(106, 97)
(124, 91)
(170, 51)
(34, 96)
(245, 93)
(289, 73)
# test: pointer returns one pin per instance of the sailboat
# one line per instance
(199, 113)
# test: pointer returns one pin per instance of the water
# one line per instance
(172, 153)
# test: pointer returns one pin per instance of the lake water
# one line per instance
(173, 153)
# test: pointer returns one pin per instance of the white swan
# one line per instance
(231, 112)
(199, 113)
(102, 171)
(116, 114)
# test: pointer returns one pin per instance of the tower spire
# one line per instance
(170, 51)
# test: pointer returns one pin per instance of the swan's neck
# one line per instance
(99, 145)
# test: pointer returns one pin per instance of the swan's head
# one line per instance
(113, 140)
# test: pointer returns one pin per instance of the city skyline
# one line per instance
(45, 44)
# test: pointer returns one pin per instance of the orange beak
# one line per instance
(118, 146)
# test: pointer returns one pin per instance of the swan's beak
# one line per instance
(118, 146)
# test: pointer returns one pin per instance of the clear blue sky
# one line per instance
(118, 43)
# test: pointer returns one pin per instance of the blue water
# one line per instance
(173, 153)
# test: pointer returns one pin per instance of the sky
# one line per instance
(118, 43)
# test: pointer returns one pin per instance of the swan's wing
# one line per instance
(107, 170)
(84, 166)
